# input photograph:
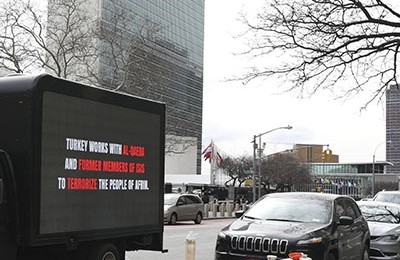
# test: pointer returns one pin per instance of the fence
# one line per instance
(349, 190)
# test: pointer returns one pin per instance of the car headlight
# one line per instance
(314, 240)
(390, 237)
(221, 235)
(222, 244)
(166, 210)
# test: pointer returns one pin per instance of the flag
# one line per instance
(207, 153)
(219, 160)
(211, 153)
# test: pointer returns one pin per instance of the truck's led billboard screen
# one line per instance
(100, 165)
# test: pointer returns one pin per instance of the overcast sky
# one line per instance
(233, 113)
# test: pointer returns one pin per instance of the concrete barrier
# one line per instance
(230, 209)
(220, 209)
(214, 210)
(206, 209)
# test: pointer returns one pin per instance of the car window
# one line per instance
(193, 200)
(170, 199)
(351, 209)
(181, 200)
(189, 200)
(346, 207)
(340, 209)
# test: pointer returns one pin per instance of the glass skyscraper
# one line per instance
(168, 66)
(393, 129)
(147, 48)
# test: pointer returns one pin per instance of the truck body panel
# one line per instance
(88, 163)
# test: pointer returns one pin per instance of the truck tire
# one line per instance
(106, 251)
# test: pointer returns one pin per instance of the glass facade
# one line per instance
(393, 129)
(345, 168)
(353, 179)
(172, 58)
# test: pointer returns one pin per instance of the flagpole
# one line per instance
(212, 168)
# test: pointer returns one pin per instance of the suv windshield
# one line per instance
(170, 199)
(388, 197)
(296, 210)
(382, 213)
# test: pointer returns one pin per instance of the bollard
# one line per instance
(214, 210)
(230, 207)
(206, 210)
(190, 247)
(222, 209)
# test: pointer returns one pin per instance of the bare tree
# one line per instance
(66, 36)
(283, 170)
(29, 43)
(237, 168)
(343, 46)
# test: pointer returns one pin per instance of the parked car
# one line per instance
(384, 224)
(388, 196)
(322, 226)
(180, 207)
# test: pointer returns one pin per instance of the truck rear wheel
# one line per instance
(105, 251)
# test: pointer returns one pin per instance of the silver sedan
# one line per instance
(384, 224)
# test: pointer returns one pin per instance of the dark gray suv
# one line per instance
(322, 226)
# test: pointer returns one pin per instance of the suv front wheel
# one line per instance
(365, 255)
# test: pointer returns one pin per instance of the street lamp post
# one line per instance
(254, 168)
(260, 150)
(373, 166)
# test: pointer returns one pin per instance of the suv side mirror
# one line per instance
(346, 220)
(239, 213)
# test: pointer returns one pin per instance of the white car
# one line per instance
(388, 196)
(384, 224)
(180, 207)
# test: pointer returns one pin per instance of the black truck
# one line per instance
(81, 171)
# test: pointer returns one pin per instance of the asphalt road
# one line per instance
(175, 238)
